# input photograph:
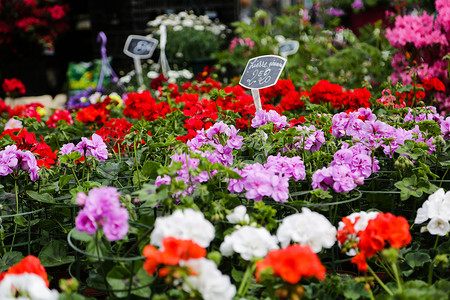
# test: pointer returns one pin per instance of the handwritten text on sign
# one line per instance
(140, 46)
(262, 71)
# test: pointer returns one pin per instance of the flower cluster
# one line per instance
(26, 280)
(246, 43)
(350, 166)
(144, 106)
(249, 242)
(94, 147)
(326, 92)
(262, 117)
(102, 209)
(385, 229)
(114, 132)
(12, 159)
(95, 113)
(208, 281)
(59, 115)
(185, 174)
(307, 228)
(437, 210)
(13, 87)
(172, 252)
(349, 229)
(186, 225)
(270, 179)
(310, 139)
(35, 21)
(291, 264)
(222, 138)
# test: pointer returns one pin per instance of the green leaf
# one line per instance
(150, 169)
(64, 179)
(119, 279)
(81, 236)
(10, 259)
(20, 220)
(417, 259)
(355, 290)
(55, 254)
(44, 198)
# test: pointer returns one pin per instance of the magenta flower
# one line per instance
(102, 209)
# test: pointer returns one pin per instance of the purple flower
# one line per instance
(67, 148)
(116, 225)
(260, 119)
(102, 209)
(322, 179)
(445, 129)
(335, 12)
(97, 148)
(166, 179)
(357, 4)
(12, 159)
(86, 222)
(277, 119)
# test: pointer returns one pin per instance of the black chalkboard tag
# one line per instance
(138, 46)
(288, 47)
(261, 72)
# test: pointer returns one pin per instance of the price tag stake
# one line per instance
(261, 72)
(139, 47)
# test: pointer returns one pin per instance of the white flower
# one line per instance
(199, 27)
(25, 286)
(94, 97)
(436, 208)
(178, 28)
(239, 215)
(173, 74)
(187, 23)
(187, 225)
(209, 281)
(438, 226)
(186, 74)
(13, 123)
(152, 74)
(307, 228)
(249, 242)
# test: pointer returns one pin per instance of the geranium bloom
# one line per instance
(90, 147)
(13, 124)
(59, 115)
(172, 252)
(249, 242)
(292, 264)
(307, 228)
(385, 229)
(102, 209)
(208, 280)
(13, 85)
(239, 215)
(12, 159)
(437, 210)
(186, 225)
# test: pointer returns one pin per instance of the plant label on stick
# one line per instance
(288, 47)
(261, 72)
(139, 47)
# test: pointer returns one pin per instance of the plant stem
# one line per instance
(76, 178)
(16, 189)
(397, 276)
(380, 282)
(246, 280)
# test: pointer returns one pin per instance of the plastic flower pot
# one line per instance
(118, 274)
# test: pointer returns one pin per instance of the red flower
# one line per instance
(24, 140)
(204, 74)
(326, 92)
(58, 116)
(142, 105)
(46, 157)
(385, 229)
(29, 264)
(433, 83)
(174, 251)
(115, 131)
(13, 85)
(292, 264)
(158, 81)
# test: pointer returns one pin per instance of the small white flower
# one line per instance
(94, 97)
(209, 281)
(173, 74)
(307, 228)
(239, 215)
(249, 242)
(27, 286)
(187, 23)
(152, 74)
(199, 27)
(186, 74)
(438, 226)
(13, 123)
(187, 225)
(178, 28)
